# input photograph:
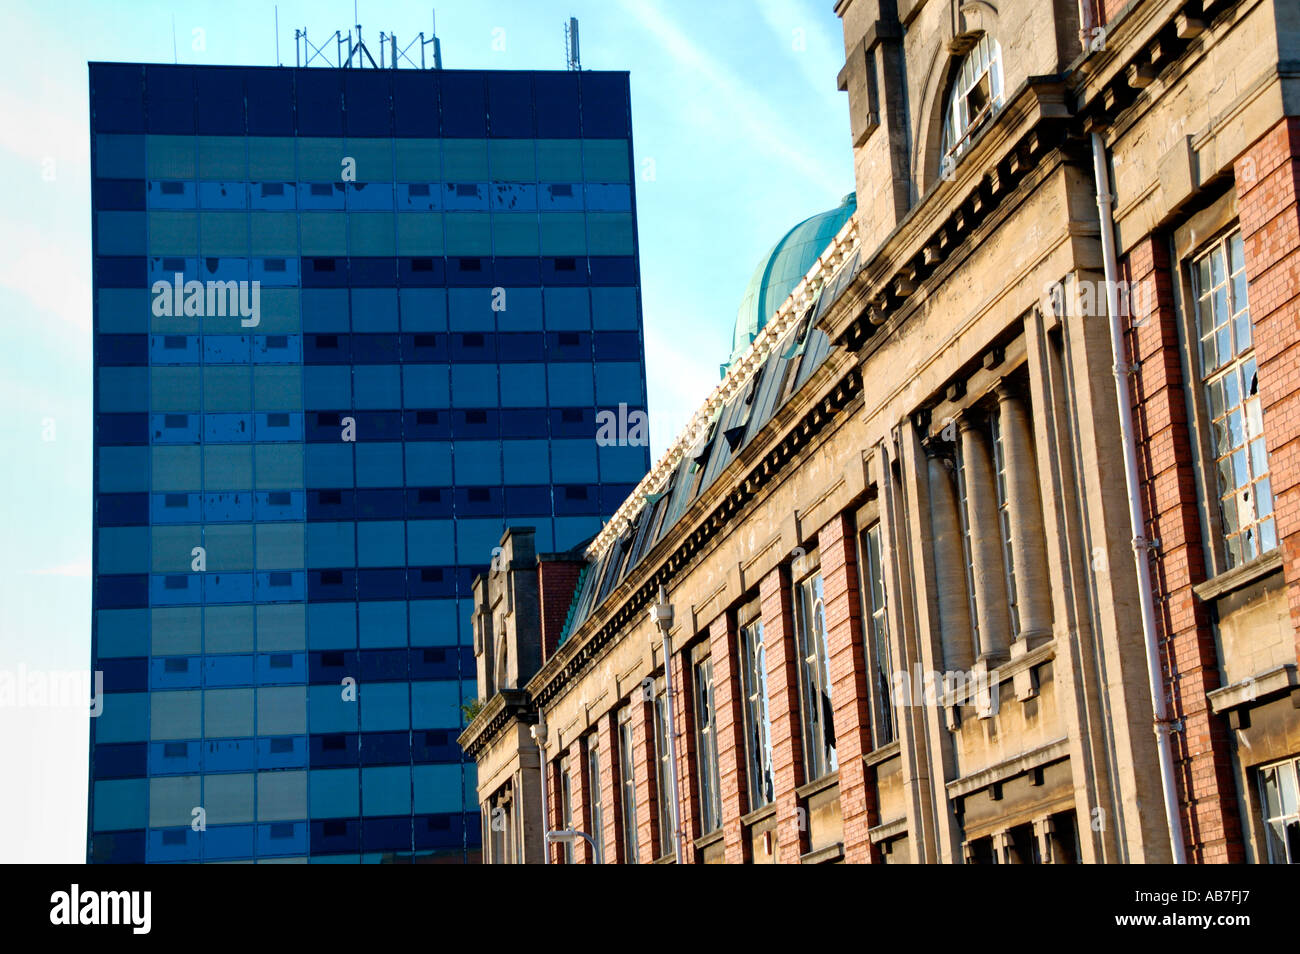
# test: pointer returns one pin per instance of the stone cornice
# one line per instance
(1043, 755)
(738, 376)
(1029, 126)
(1139, 45)
(761, 463)
(506, 706)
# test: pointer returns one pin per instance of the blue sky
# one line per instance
(734, 111)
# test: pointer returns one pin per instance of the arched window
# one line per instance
(976, 94)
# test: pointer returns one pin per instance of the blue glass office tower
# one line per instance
(440, 294)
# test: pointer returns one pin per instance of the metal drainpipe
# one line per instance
(1141, 545)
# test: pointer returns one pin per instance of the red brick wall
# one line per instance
(1268, 182)
(644, 770)
(1188, 654)
(848, 671)
(556, 582)
(783, 699)
(730, 718)
(1108, 9)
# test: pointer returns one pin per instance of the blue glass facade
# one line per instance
(292, 500)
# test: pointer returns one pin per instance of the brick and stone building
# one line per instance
(987, 546)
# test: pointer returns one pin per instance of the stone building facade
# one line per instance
(913, 618)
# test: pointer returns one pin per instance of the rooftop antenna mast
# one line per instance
(433, 38)
(348, 53)
(571, 44)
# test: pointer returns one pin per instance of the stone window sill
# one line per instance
(758, 815)
(819, 785)
(1239, 577)
(712, 838)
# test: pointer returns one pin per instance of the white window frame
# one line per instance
(594, 811)
(820, 755)
(1230, 379)
(758, 715)
(877, 614)
(663, 778)
(983, 61)
(706, 746)
(627, 785)
(1285, 814)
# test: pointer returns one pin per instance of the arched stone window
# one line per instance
(973, 98)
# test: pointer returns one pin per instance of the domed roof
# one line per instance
(780, 270)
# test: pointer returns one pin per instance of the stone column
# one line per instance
(1043, 836)
(1028, 545)
(986, 544)
(949, 564)
(1002, 847)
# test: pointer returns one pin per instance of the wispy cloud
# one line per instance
(766, 129)
(810, 46)
(50, 127)
(77, 568)
(46, 274)
(680, 378)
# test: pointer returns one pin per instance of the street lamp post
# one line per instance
(571, 835)
(661, 614)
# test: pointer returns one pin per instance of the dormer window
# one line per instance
(975, 96)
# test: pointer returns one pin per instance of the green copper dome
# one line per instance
(780, 270)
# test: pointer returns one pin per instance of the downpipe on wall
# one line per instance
(1141, 546)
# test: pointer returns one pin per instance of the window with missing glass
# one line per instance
(627, 785)
(594, 813)
(706, 747)
(1231, 381)
(663, 775)
(878, 635)
(1279, 789)
(758, 724)
(814, 679)
(975, 95)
